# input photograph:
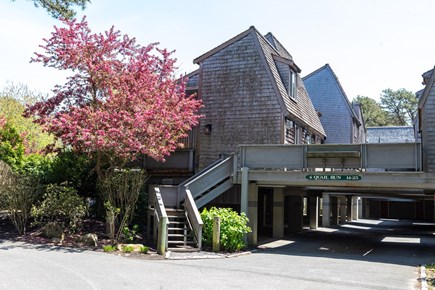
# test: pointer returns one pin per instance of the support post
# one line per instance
(360, 207)
(278, 212)
(253, 213)
(343, 208)
(244, 190)
(335, 208)
(162, 240)
(313, 205)
(349, 201)
(216, 234)
(326, 211)
(355, 207)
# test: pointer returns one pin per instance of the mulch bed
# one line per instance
(33, 236)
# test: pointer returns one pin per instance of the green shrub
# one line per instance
(144, 249)
(109, 248)
(130, 234)
(61, 204)
(233, 228)
(127, 249)
(17, 193)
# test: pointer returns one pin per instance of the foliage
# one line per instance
(123, 99)
(127, 248)
(144, 250)
(17, 194)
(74, 168)
(13, 99)
(233, 228)
(120, 191)
(128, 234)
(11, 146)
(430, 266)
(400, 105)
(62, 205)
(61, 8)
(109, 248)
(373, 113)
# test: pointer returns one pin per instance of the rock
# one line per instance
(52, 230)
(89, 239)
(136, 247)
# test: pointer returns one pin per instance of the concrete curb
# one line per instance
(202, 255)
(423, 278)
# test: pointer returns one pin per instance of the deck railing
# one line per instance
(388, 156)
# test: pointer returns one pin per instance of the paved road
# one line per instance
(339, 258)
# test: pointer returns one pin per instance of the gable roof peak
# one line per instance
(225, 44)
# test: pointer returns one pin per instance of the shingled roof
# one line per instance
(329, 70)
(271, 51)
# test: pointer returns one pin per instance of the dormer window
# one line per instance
(291, 88)
(288, 78)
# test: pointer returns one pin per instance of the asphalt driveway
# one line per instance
(363, 255)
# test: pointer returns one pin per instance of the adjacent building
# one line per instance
(342, 120)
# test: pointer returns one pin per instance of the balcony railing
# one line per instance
(385, 157)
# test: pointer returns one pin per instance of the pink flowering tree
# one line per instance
(122, 100)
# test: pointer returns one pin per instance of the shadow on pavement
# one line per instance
(399, 242)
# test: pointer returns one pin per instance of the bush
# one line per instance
(233, 228)
(17, 193)
(129, 235)
(144, 249)
(109, 248)
(127, 249)
(120, 190)
(61, 204)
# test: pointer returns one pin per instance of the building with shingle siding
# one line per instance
(252, 93)
(390, 134)
(426, 120)
(343, 125)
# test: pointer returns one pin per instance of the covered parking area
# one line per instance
(284, 188)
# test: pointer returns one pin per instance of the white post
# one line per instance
(244, 190)
(355, 207)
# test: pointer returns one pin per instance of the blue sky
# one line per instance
(370, 44)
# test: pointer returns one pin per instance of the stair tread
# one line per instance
(183, 249)
(182, 242)
(180, 235)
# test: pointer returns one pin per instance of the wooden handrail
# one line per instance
(162, 218)
(193, 216)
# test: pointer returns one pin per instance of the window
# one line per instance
(288, 78)
(292, 84)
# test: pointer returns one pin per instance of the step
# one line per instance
(183, 249)
(180, 235)
(179, 229)
(182, 242)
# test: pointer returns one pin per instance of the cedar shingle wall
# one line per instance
(239, 102)
(429, 131)
(327, 98)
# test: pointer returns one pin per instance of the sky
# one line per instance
(371, 45)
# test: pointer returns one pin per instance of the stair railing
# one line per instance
(160, 222)
(193, 216)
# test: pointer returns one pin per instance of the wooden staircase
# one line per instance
(180, 235)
